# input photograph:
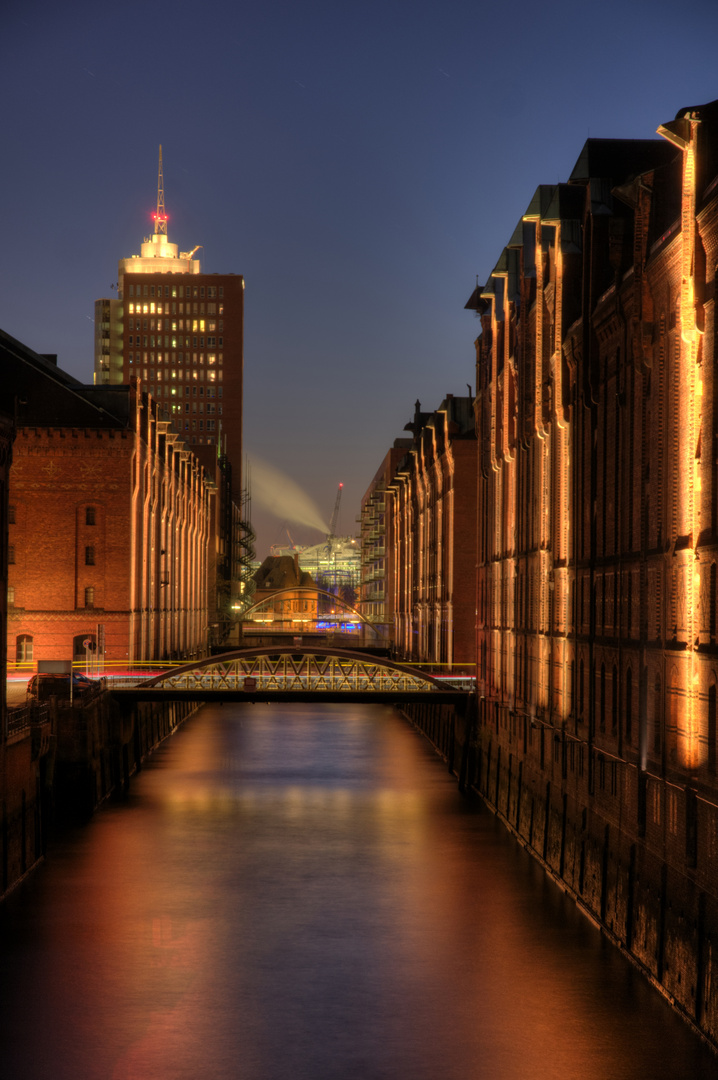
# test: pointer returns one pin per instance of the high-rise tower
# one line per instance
(180, 333)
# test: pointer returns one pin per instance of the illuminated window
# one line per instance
(11, 596)
(89, 556)
(23, 648)
(90, 515)
(90, 596)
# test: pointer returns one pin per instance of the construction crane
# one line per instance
(335, 515)
(333, 523)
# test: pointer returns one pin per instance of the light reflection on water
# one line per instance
(299, 892)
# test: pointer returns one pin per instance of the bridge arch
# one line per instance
(297, 601)
(301, 670)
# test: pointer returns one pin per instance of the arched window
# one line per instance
(629, 706)
(23, 648)
(90, 596)
(79, 649)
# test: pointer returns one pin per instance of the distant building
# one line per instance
(181, 333)
(418, 540)
(375, 598)
(334, 564)
(109, 523)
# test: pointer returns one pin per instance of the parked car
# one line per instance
(44, 686)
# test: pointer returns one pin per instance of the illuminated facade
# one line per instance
(109, 525)
(421, 512)
(180, 332)
(598, 502)
(376, 597)
(597, 635)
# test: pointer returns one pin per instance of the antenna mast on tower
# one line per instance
(160, 216)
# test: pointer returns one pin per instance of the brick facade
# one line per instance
(109, 530)
(424, 511)
(597, 640)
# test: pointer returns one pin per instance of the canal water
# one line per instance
(300, 893)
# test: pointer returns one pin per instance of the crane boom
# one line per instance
(335, 515)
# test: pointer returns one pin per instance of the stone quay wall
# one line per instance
(636, 852)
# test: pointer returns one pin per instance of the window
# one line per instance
(23, 648)
(11, 554)
(90, 596)
(80, 650)
(90, 515)
(89, 556)
(11, 598)
(11, 515)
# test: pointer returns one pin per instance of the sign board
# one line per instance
(54, 667)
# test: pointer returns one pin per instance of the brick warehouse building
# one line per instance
(598, 542)
(375, 598)
(418, 537)
(108, 522)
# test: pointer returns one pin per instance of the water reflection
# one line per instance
(300, 892)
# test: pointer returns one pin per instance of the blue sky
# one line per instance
(360, 165)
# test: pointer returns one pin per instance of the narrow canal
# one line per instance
(299, 893)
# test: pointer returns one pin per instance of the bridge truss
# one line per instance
(298, 672)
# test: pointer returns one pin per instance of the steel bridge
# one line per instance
(291, 674)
